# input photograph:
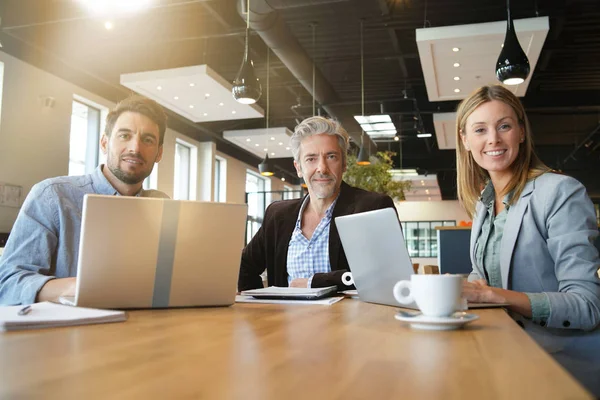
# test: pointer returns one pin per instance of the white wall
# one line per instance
(444, 210)
(34, 140)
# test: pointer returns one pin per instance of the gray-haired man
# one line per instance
(298, 243)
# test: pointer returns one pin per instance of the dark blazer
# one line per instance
(269, 247)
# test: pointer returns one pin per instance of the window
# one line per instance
(291, 193)
(256, 199)
(84, 150)
(220, 179)
(421, 237)
(151, 181)
(186, 157)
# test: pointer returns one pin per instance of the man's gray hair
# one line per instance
(316, 126)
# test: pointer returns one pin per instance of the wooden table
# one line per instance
(350, 350)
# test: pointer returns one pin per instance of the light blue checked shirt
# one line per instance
(306, 257)
(44, 241)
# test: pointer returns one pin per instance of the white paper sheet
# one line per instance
(326, 301)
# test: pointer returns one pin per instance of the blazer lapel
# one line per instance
(511, 231)
(480, 213)
(343, 206)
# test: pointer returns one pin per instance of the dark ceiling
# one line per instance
(562, 101)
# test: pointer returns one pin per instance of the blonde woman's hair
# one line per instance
(470, 177)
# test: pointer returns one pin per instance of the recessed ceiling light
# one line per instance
(108, 25)
(429, 198)
(272, 154)
(256, 145)
(396, 138)
(422, 183)
(427, 191)
(207, 95)
(175, 98)
(159, 88)
(455, 49)
(192, 84)
(272, 138)
(248, 140)
(205, 114)
(283, 179)
(191, 106)
(221, 104)
(265, 149)
(281, 143)
(233, 112)
(456, 90)
(287, 148)
(456, 65)
(457, 78)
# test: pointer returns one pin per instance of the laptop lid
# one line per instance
(376, 253)
(156, 253)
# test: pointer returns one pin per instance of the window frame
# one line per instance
(423, 245)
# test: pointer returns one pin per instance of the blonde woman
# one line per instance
(532, 235)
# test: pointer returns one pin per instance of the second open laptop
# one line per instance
(377, 255)
(158, 253)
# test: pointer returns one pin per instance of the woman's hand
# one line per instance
(479, 292)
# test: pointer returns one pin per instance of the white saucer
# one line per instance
(420, 321)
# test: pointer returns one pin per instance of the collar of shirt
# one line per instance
(488, 197)
(103, 186)
(328, 212)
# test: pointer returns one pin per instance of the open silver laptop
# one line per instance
(158, 253)
(376, 253)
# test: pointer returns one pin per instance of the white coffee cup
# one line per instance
(435, 295)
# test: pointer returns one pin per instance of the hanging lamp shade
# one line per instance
(246, 86)
(363, 154)
(512, 67)
(265, 167)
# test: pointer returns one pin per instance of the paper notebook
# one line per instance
(291, 293)
(51, 315)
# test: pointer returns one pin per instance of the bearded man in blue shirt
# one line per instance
(39, 262)
(298, 243)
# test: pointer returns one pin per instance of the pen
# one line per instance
(25, 310)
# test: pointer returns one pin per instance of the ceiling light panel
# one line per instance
(256, 141)
(479, 47)
(372, 119)
(445, 130)
(202, 94)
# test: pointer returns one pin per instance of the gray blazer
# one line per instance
(548, 246)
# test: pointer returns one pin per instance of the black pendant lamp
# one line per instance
(246, 86)
(363, 154)
(512, 67)
(265, 168)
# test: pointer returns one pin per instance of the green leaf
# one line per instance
(376, 177)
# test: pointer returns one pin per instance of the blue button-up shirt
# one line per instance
(44, 241)
(307, 257)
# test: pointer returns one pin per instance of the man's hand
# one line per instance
(55, 288)
(299, 282)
